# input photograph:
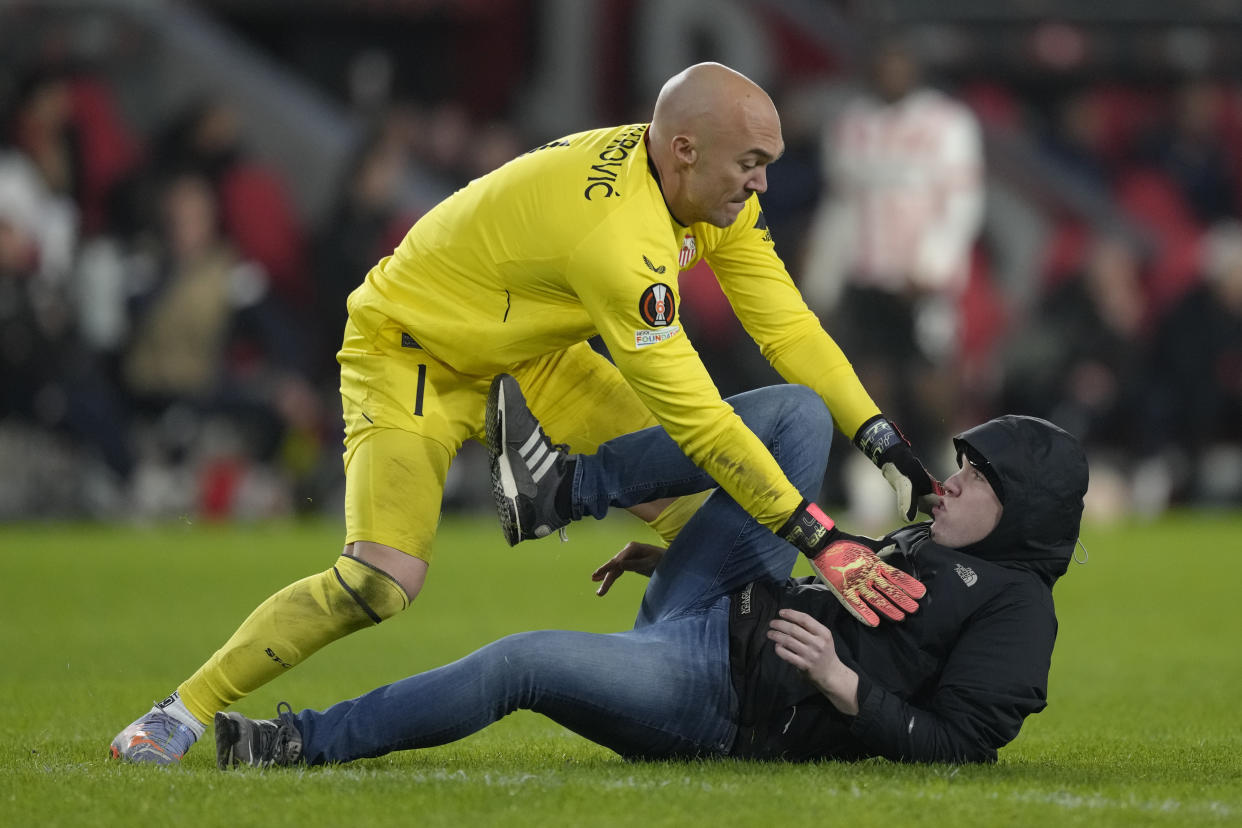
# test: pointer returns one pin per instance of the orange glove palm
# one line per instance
(849, 565)
(865, 584)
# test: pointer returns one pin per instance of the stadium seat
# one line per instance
(1152, 199)
(259, 216)
(110, 151)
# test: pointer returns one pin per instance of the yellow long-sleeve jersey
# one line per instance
(574, 238)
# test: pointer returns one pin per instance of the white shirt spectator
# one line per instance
(49, 221)
(905, 198)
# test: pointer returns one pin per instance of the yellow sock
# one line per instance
(669, 522)
(289, 627)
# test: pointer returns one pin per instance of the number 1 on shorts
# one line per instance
(418, 398)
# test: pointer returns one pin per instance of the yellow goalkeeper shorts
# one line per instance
(407, 414)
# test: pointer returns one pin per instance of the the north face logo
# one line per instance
(968, 576)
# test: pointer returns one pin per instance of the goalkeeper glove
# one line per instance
(850, 567)
(885, 445)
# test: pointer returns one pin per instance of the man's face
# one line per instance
(729, 166)
(894, 73)
(969, 510)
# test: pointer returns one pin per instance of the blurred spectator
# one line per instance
(68, 125)
(182, 319)
(1197, 364)
(256, 213)
(1190, 149)
(493, 145)
(49, 378)
(46, 156)
(904, 170)
(43, 130)
(209, 339)
(366, 223)
(36, 320)
(406, 125)
(889, 251)
(442, 148)
(1081, 361)
(1077, 141)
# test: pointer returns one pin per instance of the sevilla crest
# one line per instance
(687, 252)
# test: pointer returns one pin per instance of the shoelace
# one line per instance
(275, 745)
(288, 741)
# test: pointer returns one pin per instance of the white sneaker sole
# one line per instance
(504, 485)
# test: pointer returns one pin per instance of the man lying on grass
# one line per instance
(730, 657)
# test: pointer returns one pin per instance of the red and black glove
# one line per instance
(885, 445)
(850, 567)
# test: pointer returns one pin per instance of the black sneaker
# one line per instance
(527, 469)
(259, 743)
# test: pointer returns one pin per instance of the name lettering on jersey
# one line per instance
(644, 338)
(687, 252)
(968, 575)
(653, 268)
(761, 223)
(604, 174)
(657, 306)
(549, 145)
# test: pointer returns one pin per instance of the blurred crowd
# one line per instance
(169, 318)
(168, 321)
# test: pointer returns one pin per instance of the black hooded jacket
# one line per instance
(954, 681)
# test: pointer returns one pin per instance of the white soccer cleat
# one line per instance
(155, 738)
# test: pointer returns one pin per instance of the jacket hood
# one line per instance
(1039, 471)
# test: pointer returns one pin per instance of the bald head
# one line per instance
(712, 135)
(708, 98)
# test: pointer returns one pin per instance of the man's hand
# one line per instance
(885, 445)
(850, 567)
(634, 557)
(807, 644)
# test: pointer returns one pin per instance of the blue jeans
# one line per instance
(660, 690)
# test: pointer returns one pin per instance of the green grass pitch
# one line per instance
(1143, 726)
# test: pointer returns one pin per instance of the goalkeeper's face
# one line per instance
(968, 511)
(731, 165)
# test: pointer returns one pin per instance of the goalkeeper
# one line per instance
(730, 657)
(513, 274)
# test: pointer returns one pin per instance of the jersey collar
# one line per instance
(655, 174)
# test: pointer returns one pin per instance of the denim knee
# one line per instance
(807, 411)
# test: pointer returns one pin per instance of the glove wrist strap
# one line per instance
(808, 529)
(876, 436)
